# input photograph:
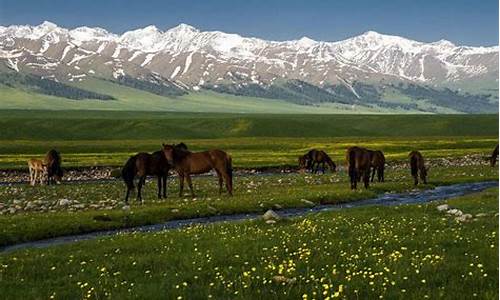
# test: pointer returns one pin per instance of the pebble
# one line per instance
(443, 207)
(270, 215)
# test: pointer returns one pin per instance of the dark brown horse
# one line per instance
(316, 157)
(187, 163)
(417, 165)
(358, 165)
(494, 156)
(54, 170)
(377, 164)
(144, 164)
(303, 163)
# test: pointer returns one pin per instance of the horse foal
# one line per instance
(38, 171)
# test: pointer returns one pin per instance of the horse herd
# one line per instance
(362, 164)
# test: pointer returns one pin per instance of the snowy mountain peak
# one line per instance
(193, 57)
(47, 26)
(183, 28)
(444, 43)
(306, 42)
(84, 34)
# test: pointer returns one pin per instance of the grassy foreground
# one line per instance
(38, 212)
(411, 251)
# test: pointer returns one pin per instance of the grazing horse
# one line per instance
(377, 164)
(54, 170)
(303, 163)
(37, 169)
(187, 163)
(358, 164)
(494, 156)
(144, 164)
(417, 165)
(320, 157)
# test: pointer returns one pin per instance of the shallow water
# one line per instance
(388, 199)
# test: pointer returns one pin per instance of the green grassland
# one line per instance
(88, 138)
(40, 216)
(410, 251)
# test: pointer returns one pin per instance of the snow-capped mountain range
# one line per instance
(192, 59)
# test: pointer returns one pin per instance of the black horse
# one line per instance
(54, 170)
(144, 164)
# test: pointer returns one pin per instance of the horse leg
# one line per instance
(127, 194)
(190, 184)
(142, 179)
(423, 178)
(323, 167)
(37, 177)
(164, 178)
(159, 186)
(228, 180)
(219, 177)
(354, 179)
(373, 174)
(181, 185)
(31, 176)
(366, 178)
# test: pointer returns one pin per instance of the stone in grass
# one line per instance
(126, 207)
(455, 212)
(175, 210)
(270, 222)
(64, 202)
(310, 203)
(480, 215)
(270, 215)
(277, 206)
(443, 207)
(464, 217)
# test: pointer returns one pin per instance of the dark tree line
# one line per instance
(49, 87)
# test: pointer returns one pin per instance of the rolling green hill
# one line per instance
(291, 97)
(81, 125)
(131, 99)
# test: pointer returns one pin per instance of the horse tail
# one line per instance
(129, 171)
(351, 156)
(413, 164)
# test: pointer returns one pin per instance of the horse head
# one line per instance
(168, 152)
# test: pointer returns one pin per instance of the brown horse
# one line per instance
(494, 156)
(417, 165)
(377, 164)
(54, 170)
(358, 165)
(187, 163)
(144, 164)
(317, 157)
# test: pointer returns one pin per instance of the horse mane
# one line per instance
(179, 152)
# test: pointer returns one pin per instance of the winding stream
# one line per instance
(388, 199)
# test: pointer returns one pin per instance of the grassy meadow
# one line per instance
(410, 251)
(108, 138)
(34, 213)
